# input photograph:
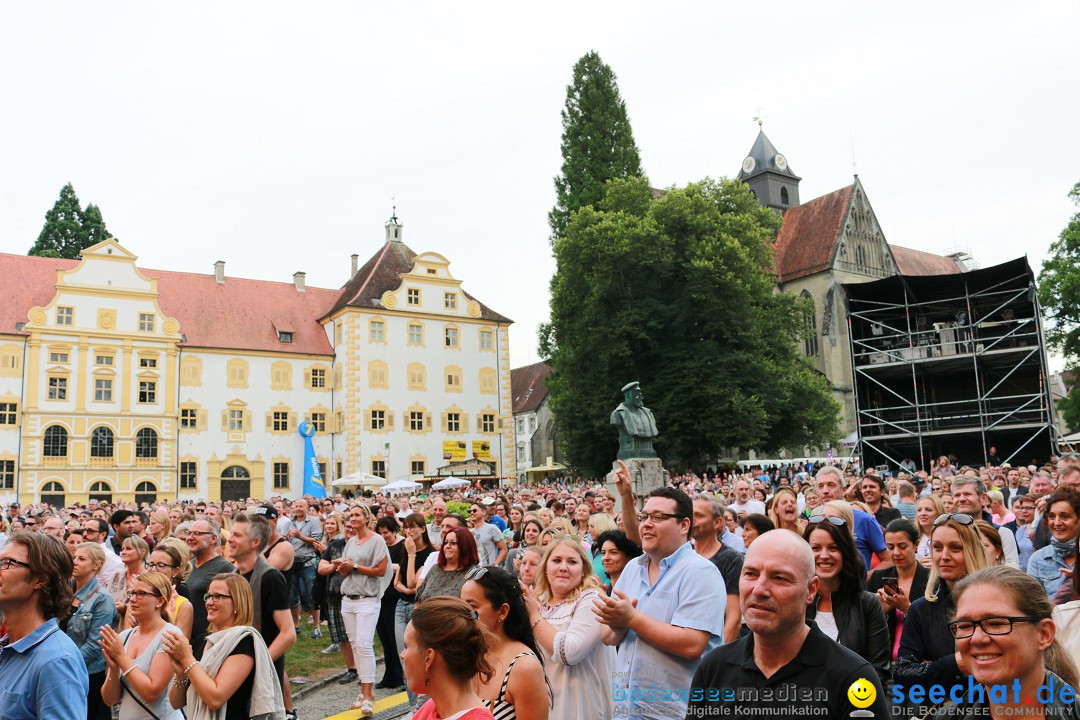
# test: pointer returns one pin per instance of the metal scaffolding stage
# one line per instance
(950, 364)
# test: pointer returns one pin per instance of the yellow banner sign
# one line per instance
(454, 450)
(481, 449)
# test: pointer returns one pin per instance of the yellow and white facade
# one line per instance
(130, 384)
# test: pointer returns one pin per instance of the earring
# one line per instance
(427, 679)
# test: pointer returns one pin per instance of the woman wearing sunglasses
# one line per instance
(518, 689)
(927, 654)
(1005, 634)
(843, 609)
(577, 661)
(138, 673)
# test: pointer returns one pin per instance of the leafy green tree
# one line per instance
(69, 229)
(597, 143)
(678, 293)
(1059, 293)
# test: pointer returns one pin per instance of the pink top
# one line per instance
(427, 711)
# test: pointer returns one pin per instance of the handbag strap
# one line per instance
(129, 691)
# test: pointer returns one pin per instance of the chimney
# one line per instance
(298, 279)
(355, 264)
(219, 272)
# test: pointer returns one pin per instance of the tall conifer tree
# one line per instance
(68, 228)
(597, 143)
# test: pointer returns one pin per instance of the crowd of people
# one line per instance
(557, 600)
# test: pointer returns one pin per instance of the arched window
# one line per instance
(860, 255)
(235, 472)
(810, 342)
(53, 493)
(784, 196)
(146, 443)
(55, 441)
(235, 483)
(145, 492)
(101, 492)
(101, 442)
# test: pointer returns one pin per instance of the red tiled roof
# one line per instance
(239, 314)
(806, 242)
(527, 386)
(917, 262)
(381, 273)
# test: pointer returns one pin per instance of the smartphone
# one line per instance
(892, 585)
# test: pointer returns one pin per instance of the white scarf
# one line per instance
(266, 700)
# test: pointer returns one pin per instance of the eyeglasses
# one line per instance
(962, 518)
(140, 594)
(6, 563)
(159, 566)
(216, 597)
(476, 573)
(656, 517)
(831, 519)
(961, 629)
(199, 532)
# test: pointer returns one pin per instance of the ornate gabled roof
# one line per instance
(765, 155)
(806, 243)
(382, 273)
(527, 386)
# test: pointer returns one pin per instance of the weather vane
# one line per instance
(393, 212)
(759, 118)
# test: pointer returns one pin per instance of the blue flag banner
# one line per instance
(313, 480)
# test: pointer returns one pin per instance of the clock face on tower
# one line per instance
(781, 161)
(748, 165)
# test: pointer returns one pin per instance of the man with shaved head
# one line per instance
(783, 649)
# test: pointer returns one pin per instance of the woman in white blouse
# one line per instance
(577, 662)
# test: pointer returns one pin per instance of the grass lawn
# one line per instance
(305, 658)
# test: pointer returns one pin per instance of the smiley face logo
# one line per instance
(862, 693)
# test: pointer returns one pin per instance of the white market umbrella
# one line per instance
(360, 478)
(451, 483)
(401, 486)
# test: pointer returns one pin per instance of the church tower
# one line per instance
(769, 176)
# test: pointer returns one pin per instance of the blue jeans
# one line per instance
(303, 581)
(402, 613)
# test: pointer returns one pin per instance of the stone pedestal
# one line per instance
(646, 475)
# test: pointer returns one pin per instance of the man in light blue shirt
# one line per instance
(42, 674)
(666, 611)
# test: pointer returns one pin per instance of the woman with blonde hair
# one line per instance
(927, 652)
(159, 526)
(138, 672)
(927, 510)
(133, 552)
(784, 511)
(235, 678)
(577, 662)
(92, 609)
(444, 654)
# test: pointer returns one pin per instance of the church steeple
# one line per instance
(769, 176)
(393, 227)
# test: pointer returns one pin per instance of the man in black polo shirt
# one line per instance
(873, 488)
(269, 591)
(786, 665)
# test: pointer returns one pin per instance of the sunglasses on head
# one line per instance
(962, 518)
(831, 519)
(476, 573)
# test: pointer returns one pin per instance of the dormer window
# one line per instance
(284, 336)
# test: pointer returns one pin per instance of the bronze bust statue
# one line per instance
(637, 426)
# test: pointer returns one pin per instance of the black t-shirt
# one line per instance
(886, 515)
(240, 701)
(397, 554)
(727, 681)
(418, 565)
(198, 582)
(275, 596)
(729, 562)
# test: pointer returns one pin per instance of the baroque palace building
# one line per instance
(124, 383)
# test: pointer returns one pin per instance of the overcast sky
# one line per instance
(273, 136)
